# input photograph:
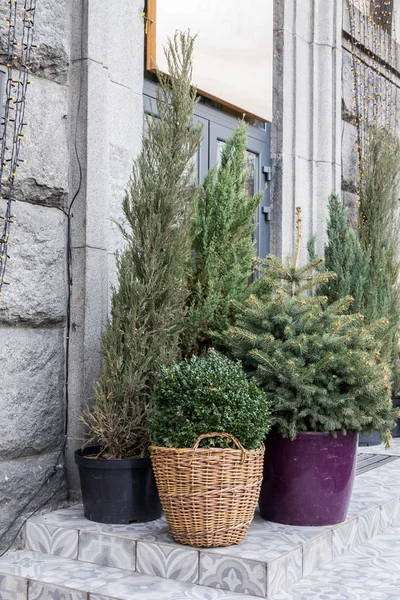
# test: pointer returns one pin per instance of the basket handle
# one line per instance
(204, 436)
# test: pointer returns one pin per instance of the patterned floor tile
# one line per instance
(267, 541)
(67, 517)
(162, 560)
(368, 525)
(74, 518)
(317, 552)
(44, 591)
(323, 592)
(55, 578)
(64, 572)
(389, 513)
(13, 588)
(369, 572)
(233, 574)
(108, 550)
(50, 539)
(284, 571)
(344, 537)
(146, 587)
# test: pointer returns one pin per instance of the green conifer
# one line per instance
(319, 365)
(345, 257)
(379, 232)
(222, 244)
(147, 306)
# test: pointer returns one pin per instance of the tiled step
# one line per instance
(368, 572)
(33, 576)
(270, 559)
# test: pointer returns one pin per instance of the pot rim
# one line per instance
(338, 432)
(86, 462)
(260, 448)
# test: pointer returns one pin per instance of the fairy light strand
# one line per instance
(374, 71)
(20, 24)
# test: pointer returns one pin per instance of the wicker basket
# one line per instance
(209, 495)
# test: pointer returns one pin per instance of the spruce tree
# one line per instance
(320, 366)
(345, 257)
(222, 245)
(147, 306)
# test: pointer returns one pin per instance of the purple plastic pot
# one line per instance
(308, 481)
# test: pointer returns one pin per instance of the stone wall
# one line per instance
(33, 308)
(85, 115)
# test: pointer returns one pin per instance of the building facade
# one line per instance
(85, 112)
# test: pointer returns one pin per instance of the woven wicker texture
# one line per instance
(209, 495)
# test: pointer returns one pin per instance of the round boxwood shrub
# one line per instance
(207, 394)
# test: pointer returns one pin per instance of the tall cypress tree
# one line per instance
(367, 260)
(147, 306)
(222, 245)
(380, 231)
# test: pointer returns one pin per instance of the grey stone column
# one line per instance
(106, 85)
(306, 130)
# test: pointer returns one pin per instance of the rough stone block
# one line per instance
(98, 26)
(51, 58)
(36, 268)
(348, 95)
(32, 405)
(304, 19)
(303, 195)
(43, 176)
(324, 24)
(89, 315)
(324, 105)
(323, 187)
(349, 158)
(126, 52)
(90, 208)
(350, 202)
(304, 101)
(25, 485)
(125, 128)
(52, 35)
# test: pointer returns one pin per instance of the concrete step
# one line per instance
(270, 559)
(28, 575)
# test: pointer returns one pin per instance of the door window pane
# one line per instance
(252, 163)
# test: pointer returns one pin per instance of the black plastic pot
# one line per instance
(117, 490)
(396, 430)
(369, 440)
(374, 439)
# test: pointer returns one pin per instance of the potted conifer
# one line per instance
(147, 305)
(322, 371)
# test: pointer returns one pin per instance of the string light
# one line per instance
(374, 67)
(20, 26)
